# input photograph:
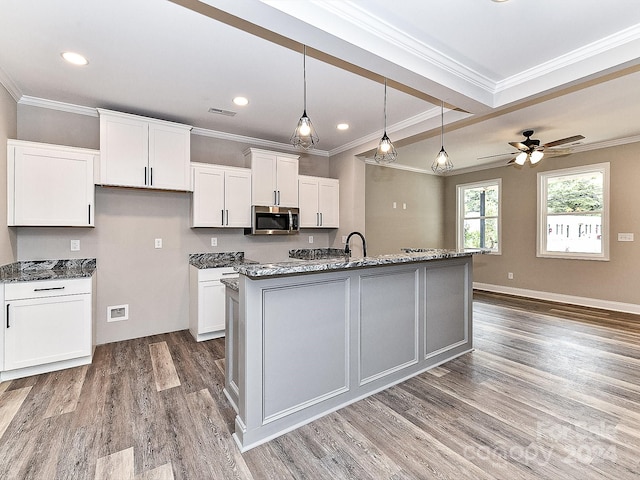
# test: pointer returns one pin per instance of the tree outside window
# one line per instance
(479, 215)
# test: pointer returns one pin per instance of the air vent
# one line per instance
(219, 111)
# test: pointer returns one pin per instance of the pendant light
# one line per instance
(386, 152)
(304, 136)
(442, 164)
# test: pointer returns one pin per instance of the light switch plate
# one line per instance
(625, 237)
(214, 242)
(158, 243)
(75, 245)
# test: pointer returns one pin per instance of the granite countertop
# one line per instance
(231, 283)
(28, 271)
(316, 253)
(288, 268)
(219, 260)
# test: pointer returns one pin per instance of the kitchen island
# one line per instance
(305, 338)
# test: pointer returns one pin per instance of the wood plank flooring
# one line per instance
(550, 392)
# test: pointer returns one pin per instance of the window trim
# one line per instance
(541, 233)
(460, 211)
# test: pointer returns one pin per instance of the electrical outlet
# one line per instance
(344, 239)
(117, 313)
(404, 206)
(158, 243)
(395, 205)
(510, 275)
(310, 238)
(214, 242)
(75, 245)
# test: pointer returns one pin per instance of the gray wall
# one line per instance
(612, 281)
(154, 282)
(420, 225)
(8, 127)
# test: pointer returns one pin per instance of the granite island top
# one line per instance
(310, 266)
(219, 260)
(232, 283)
(28, 271)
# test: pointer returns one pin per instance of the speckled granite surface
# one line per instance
(218, 260)
(27, 271)
(231, 283)
(316, 253)
(288, 268)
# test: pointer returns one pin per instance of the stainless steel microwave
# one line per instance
(274, 221)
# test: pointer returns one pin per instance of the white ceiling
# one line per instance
(561, 68)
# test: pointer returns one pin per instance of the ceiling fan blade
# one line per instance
(512, 161)
(496, 155)
(519, 146)
(556, 152)
(575, 138)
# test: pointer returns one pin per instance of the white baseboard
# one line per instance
(561, 298)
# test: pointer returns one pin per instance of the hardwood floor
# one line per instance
(551, 391)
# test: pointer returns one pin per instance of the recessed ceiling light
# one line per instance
(241, 101)
(499, 1)
(343, 126)
(74, 58)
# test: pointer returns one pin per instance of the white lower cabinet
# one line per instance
(207, 301)
(47, 326)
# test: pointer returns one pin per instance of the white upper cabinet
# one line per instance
(274, 178)
(221, 196)
(143, 152)
(49, 185)
(319, 202)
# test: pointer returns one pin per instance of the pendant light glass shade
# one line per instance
(386, 152)
(442, 164)
(304, 136)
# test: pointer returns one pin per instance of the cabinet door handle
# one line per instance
(227, 217)
(151, 176)
(222, 220)
(145, 175)
(275, 197)
(278, 197)
(321, 220)
(8, 315)
(47, 289)
(89, 213)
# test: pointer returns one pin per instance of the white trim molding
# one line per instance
(560, 298)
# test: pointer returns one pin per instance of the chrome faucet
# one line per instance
(347, 250)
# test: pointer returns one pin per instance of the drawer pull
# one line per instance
(47, 289)
(230, 273)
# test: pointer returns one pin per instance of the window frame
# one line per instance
(541, 234)
(460, 218)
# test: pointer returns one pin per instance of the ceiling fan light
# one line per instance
(535, 157)
(521, 158)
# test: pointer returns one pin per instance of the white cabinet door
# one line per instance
(308, 196)
(263, 179)
(287, 181)
(211, 296)
(45, 330)
(221, 196)
(49, 185)
(237, 197)
(274, 178)
(207, 203)
(144, 152)
(329, 202)
(319, 202)
(124, 150)
(169, 156)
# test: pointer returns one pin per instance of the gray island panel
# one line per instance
(307, 338)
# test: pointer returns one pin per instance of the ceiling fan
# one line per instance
(530, 149)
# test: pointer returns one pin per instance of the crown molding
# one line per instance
(10, 85)
(399, 166)
(254, 141)
(60, 106)
(586, 52)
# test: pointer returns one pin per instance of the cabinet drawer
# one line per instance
(46, 288)
(208, 274)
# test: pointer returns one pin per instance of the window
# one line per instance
(573, 213)
(479, 215)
